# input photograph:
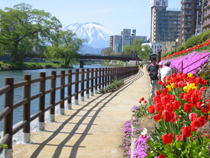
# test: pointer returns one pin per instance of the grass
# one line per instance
(9, 65)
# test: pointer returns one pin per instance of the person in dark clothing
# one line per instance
(152, 71)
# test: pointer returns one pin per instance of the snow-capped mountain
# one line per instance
(96, 34)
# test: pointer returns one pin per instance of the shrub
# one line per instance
(205, 36)
(192, 41)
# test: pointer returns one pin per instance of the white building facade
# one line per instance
(155, 47)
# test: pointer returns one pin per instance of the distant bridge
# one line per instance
(99, 57)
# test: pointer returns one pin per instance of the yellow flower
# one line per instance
(186, 89)
(169, 87)
(172, 85)
(189, 75)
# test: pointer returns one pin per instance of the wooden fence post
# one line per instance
(105, 82)
(76, 86)
(99, 78)
(27, 109)
(52, 97)
(108, 78)
(92, 76)
(8, 120)
(62, 92)
(69, 89)
(42, 101)
(87, 83)
(96, 79)
(82, 84)
(103, 78)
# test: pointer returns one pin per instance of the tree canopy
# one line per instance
(147, 50)
(23, 28)
(65, 45)
(107, 51)
(138, 49)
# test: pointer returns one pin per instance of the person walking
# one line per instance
(152, 71)
(166, 70)
(160, 67)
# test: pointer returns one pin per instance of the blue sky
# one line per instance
(113, 14)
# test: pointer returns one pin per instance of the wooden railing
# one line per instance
(102, 77)
(182, 68)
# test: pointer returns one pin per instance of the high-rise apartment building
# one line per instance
(206, 24)
(190, 19)
(165, 24)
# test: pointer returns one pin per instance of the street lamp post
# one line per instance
(176, 41)
(202, 4)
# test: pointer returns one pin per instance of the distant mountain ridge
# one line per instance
(95, 33)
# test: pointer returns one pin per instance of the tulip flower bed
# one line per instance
(182, 112)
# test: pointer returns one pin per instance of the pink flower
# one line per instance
(192, 116)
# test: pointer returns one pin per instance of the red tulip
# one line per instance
(156, 99)
(167, 115)
(181, 95)
(187, 107)
(195, 124)
(186, 131)
(161, 156)
(159, 107)
(142, 99)
(151, 109)
(158, 92)
(174, 118)
(145, 101)
(192, 116)
(180, 137)
(176, 105)
(160, 82)
(202, 119)
(180, 116)
(209, 117)
(167, 138)
(198, 105)
(169, 107)
(206, 110)
(157, 117)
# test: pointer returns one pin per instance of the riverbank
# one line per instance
(4, 66)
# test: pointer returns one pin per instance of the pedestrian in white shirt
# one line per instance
(166, 70)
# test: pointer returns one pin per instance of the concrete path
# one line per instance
(93, 129)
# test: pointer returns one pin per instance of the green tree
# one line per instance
(66, 46)
(146, 51)
(23, 28)
(107, 51)
(137, 46)
(127, 49)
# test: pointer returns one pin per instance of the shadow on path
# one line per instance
(80, 122)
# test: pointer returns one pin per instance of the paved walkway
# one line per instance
(93, 129)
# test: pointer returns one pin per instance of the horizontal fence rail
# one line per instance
(95, 79)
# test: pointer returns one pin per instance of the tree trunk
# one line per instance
(67, 61)
(16, 57)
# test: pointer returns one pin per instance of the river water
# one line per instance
(18, 93)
